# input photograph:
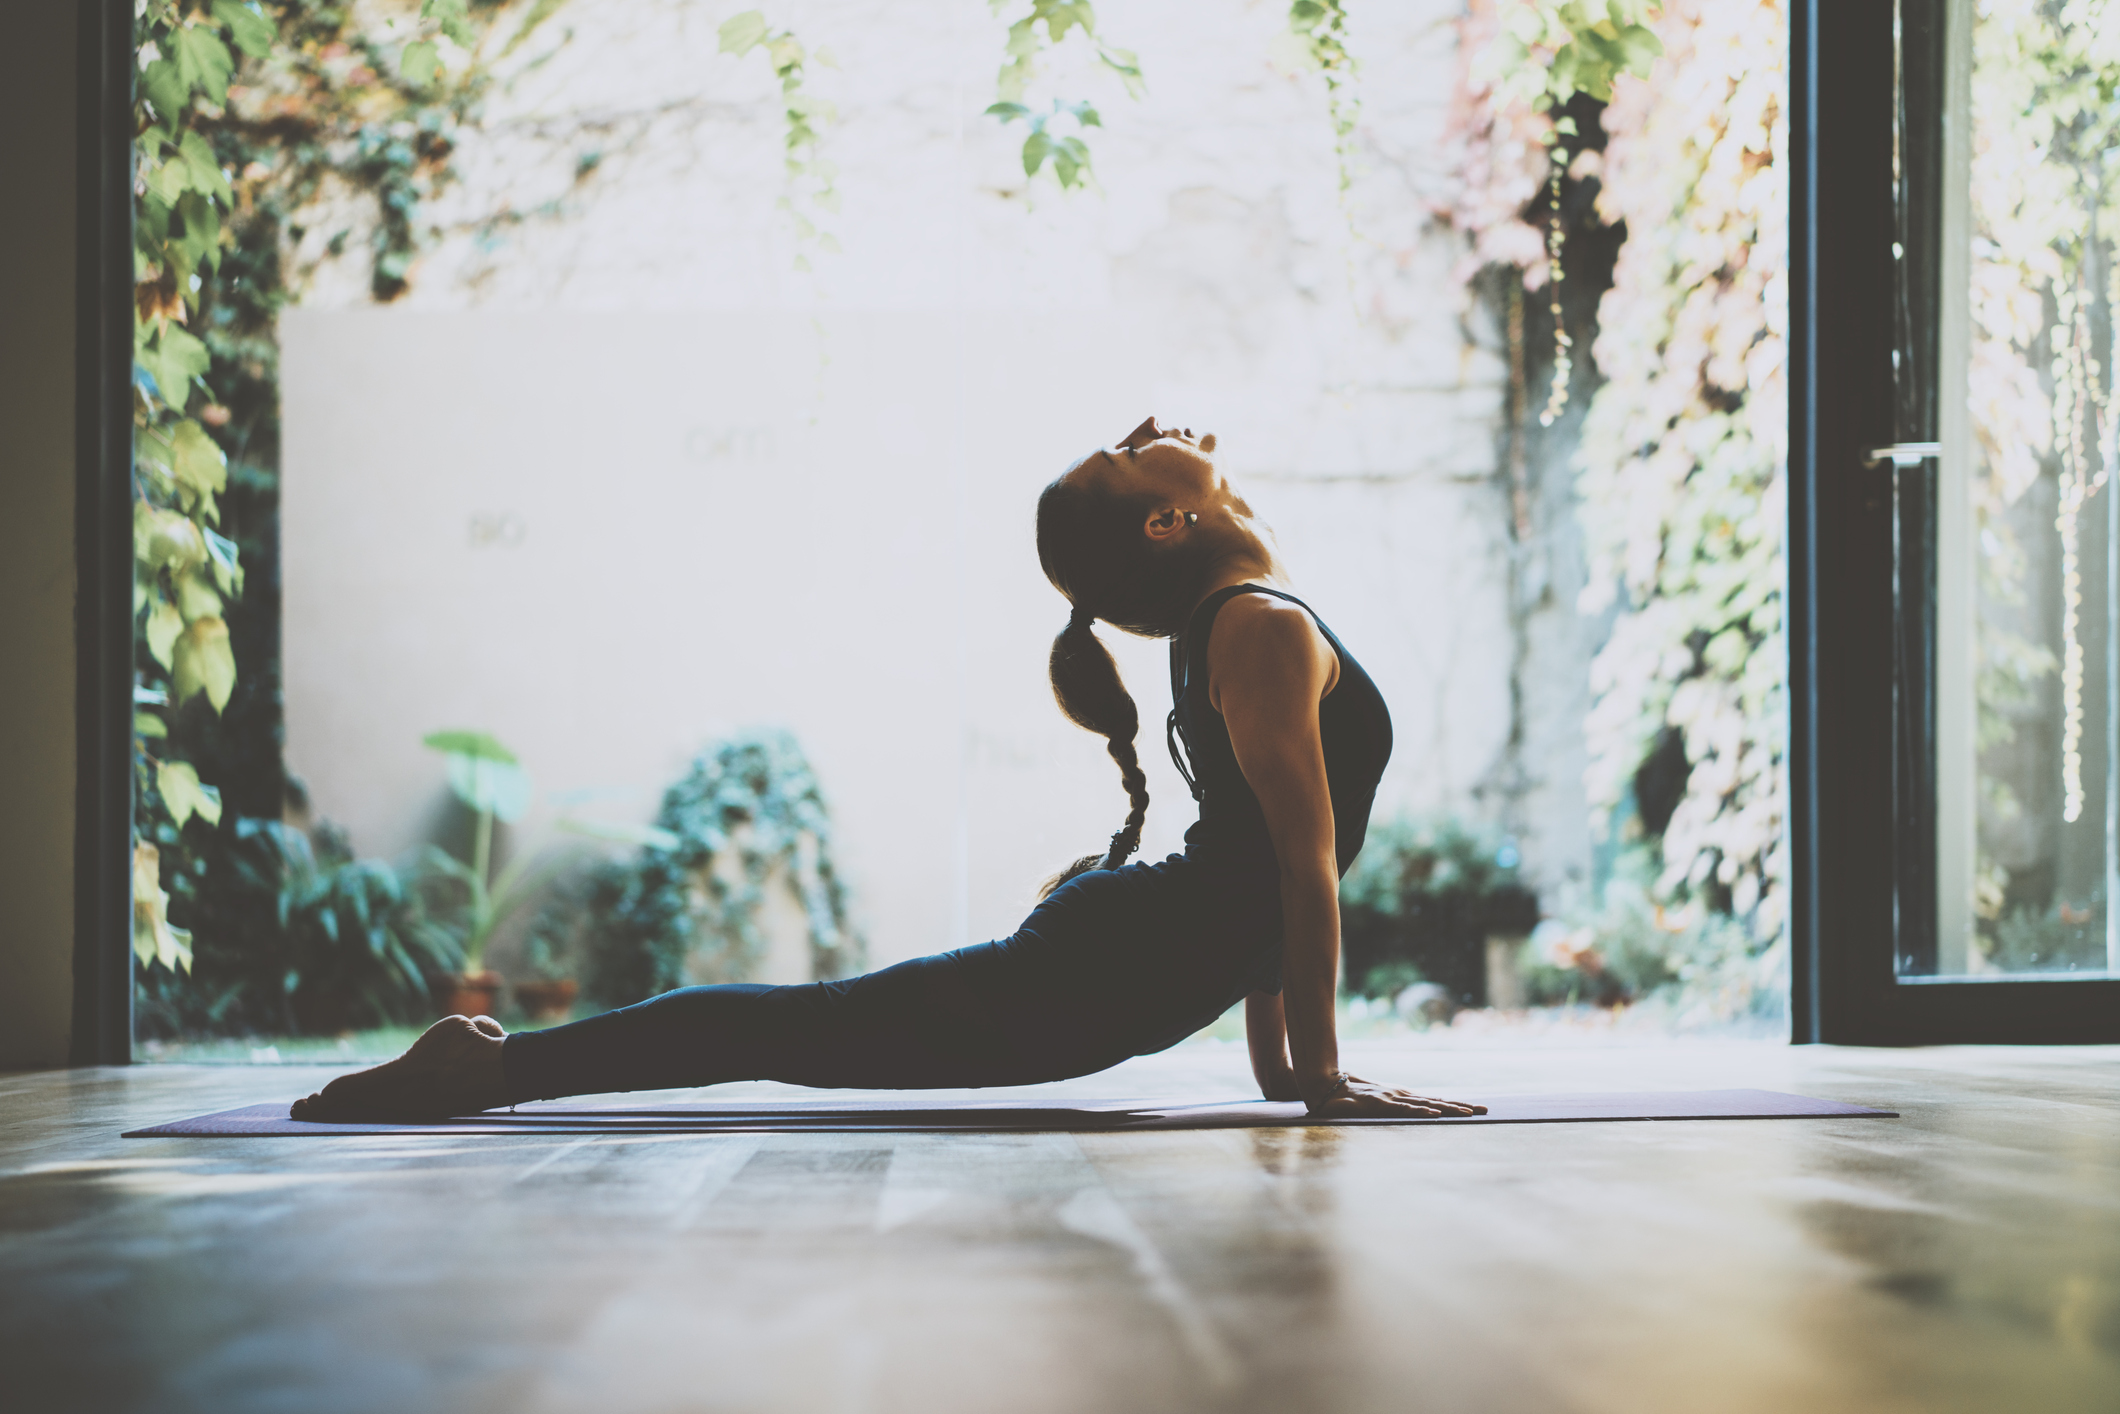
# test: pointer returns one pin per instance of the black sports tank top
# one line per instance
(1352, 719)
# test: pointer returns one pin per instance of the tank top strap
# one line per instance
(1188, 656)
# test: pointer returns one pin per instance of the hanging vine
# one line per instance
(1048, 139)
(811, 179)
(1679, 467)
(1321, 27)
(1543, 53)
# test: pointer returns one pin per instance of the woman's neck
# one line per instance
(1248, 558)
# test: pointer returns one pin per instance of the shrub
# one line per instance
(299, 937)
(668, 912)
(1420, 902)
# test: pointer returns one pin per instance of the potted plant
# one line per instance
(1438, 900)
(492, 784)
(548, 993)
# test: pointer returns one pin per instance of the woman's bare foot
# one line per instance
(453, 1069)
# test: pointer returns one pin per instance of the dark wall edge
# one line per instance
(103, 620)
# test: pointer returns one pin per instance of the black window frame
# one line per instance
(1862, 736)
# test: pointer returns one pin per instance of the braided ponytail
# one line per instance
(1091, 547)
(1087, 685)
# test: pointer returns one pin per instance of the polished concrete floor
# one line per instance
(1964, 1257)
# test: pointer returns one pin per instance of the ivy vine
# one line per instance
(1321, 27)
(1545, 53)
(243, 110)
(810, 177)
(1056, 136)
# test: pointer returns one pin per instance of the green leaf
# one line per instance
(252, 32)
(227, 567)
(153, 939)
(196, 460)
(195, 597)
(421, 62)
(164, 623)
(1060, 18)
(743, 33)
(149, 725)
(203, 169)
(1070, 162)
(205, 662)
(1036, 148)
(452, 17)
(1641, 48)
(202, 230)
(484, 784)
(203, 61)
(165, 88)
(1007, 112)
(166, 539)
(468, 743)
(166, 183)
(1127, 65)
(173, 362)
(182, 792)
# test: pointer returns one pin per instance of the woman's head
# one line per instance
(1130, 535)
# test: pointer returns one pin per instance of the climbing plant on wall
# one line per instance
(811, 178)
(247, 113)
(1543, 53)
(1680, 465)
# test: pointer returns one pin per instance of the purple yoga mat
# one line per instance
(1076, 1116)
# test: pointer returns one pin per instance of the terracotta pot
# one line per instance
(546, 1001)
(471, 994)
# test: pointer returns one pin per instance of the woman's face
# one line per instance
(1167, 465)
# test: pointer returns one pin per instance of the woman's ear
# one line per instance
(1164, 522)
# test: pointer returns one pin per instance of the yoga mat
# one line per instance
(1071, 1116)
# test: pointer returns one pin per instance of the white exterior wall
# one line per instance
(613, 479)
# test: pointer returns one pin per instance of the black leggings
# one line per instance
(1115, 963)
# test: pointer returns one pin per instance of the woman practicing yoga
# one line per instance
(1286, 737)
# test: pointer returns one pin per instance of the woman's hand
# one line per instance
(1344, 1096)
(1282, 1087)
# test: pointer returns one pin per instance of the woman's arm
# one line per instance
(1269, 667)
(1267, 1035)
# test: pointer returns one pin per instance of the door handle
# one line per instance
(1902, 454)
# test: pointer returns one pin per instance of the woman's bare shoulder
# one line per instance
(1259, 636)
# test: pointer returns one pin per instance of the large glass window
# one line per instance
(2011, 528)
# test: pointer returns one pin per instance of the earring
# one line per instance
(1192, 517)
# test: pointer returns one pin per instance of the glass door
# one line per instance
(1952, 572)
(2007, 205)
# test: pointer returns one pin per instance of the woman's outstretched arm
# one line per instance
(1269, 667)
(1267, 1035)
